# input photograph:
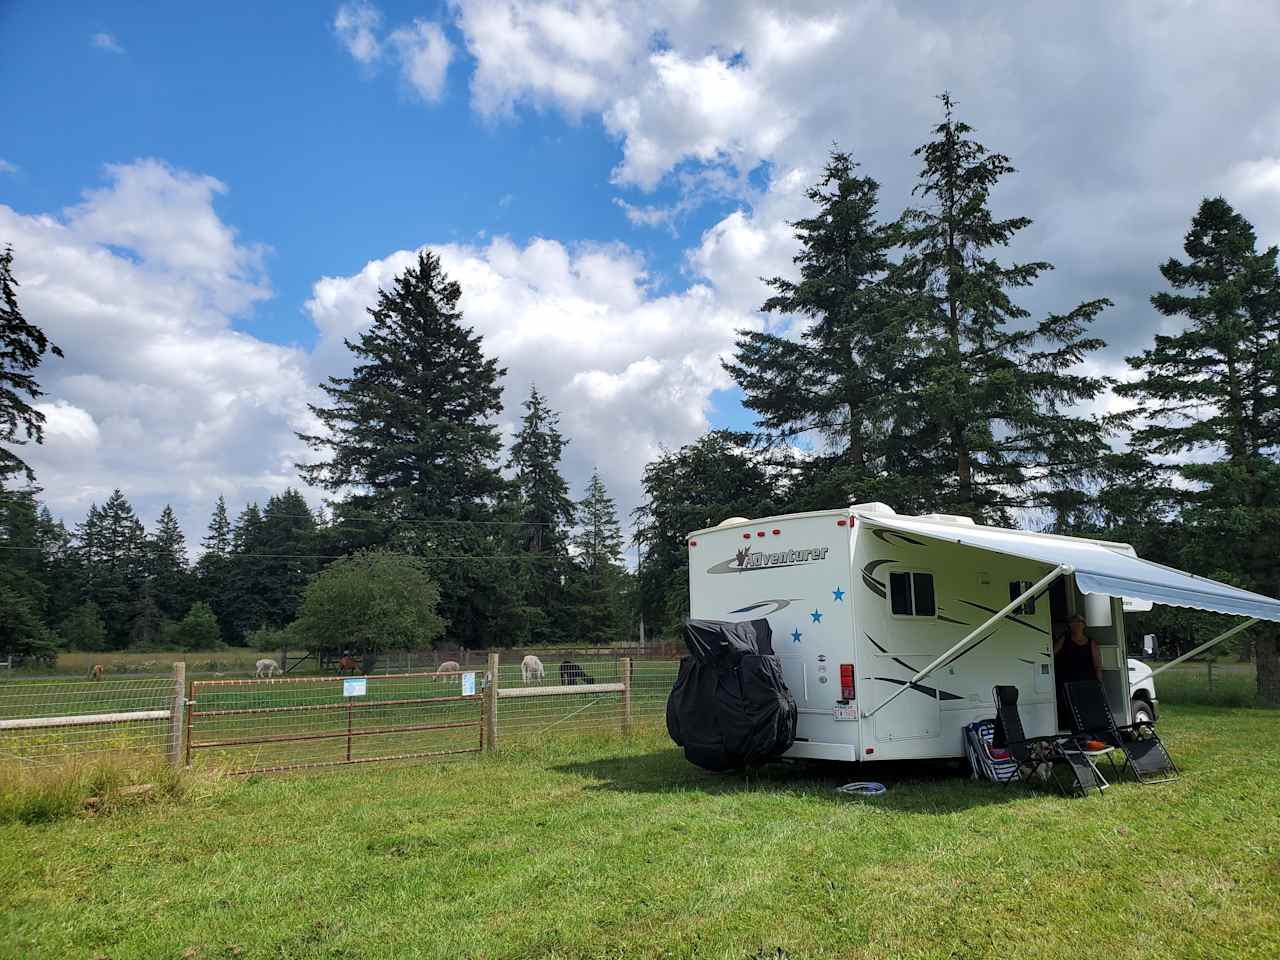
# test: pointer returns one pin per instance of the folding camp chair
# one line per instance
(1144, 752)
(984, 760)
(1039, 759)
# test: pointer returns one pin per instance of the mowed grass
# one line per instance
(592, 847)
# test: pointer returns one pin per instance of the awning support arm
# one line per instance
(1205, 646)
(1059, 571)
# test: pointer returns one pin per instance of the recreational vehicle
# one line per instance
(893, 629)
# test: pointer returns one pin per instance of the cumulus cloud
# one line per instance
(357, 26)
(629, 370)
(7, 167)
(158, 394)
(424, 54)
(105, 41)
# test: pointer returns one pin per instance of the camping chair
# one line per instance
(1039, 759)
(984, 760)
(1144, 752)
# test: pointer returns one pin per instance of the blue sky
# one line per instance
(203, 202)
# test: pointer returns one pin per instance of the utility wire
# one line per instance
(340, 556)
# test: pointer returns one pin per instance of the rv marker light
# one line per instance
(759, 533)
(841, 523)
(776, 532)
(693, 543)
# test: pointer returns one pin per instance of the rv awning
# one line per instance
(1111, 569)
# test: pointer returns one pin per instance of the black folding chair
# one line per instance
(1039, 759)
(1144, 752)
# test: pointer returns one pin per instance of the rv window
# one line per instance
(1016, 589)
(911, 595)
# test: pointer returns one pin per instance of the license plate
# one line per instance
(844, 711)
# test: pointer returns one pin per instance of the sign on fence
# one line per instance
(355, 686)
(469, 684)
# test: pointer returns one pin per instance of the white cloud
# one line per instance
(158, 394)
(629, 371)
(424, 54)
(105, 41)
(357, 25)
(7, 167)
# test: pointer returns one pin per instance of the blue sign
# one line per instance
(355, 686)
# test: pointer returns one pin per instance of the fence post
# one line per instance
(176, 712)
(491, 706)
(625, 664)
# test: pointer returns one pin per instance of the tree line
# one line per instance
(900, 367)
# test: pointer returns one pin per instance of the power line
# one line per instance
(341, 556)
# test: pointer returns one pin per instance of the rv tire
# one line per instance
(1143, 711)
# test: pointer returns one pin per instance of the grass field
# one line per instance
(588, 847)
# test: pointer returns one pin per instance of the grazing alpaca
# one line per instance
(348, 664)
(266, 668)
(97, 671)
(531, 669)
(450, 667)
(572, 674)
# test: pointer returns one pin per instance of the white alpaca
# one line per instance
(449, 667)
(267, 668)
(531, 669)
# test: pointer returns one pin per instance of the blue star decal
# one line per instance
(838, 593)
(795, 635)
(817, 616)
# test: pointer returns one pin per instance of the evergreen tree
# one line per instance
(111, 549)
(412, 432)
(695, 487)
(288, 543)
(213, 571)
(23, 593)
(198, 630)
(546, 514)
(600, 580)
(839, 381)
(242, 597)
(170, 575)
(83, 628)
(991, 394)
(22, 347)
(1209, 409)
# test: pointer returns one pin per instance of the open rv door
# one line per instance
(1101, 569)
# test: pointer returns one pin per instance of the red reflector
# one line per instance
(871, 749)
(759, 533)
(846, 681)
(693, 543)
(841, 523)
(776, 532)
(746, 536)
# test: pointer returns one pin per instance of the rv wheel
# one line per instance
(1143, 712)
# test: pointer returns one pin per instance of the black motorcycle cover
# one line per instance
(730, 707)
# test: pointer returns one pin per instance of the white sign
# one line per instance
(844, 711)
(468, 684)
(354, 686)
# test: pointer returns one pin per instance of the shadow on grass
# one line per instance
(927, 787)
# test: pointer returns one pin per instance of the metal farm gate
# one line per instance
(260, 726)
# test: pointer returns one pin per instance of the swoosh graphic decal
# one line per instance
(921, 688)
(883, 535)
(780, 605)
(959, 623)
(1024, 623)
(875, 586)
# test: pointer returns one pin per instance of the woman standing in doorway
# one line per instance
(1075, 657)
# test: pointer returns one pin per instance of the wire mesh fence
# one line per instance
(42, 720)
(294, 722)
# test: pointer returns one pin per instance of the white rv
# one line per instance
(892, 630)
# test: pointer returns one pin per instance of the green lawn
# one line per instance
(594, 848)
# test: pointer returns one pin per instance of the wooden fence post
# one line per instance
(491, 706)
(176, 712)
(625, 665)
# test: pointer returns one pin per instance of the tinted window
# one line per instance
(1016, 589)
(924, 594)
(900, 593)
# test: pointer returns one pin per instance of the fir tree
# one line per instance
(288, 544)
(213, 571)
(599, 593)
(218, 540)
(992, 394)
(838, 381)
(22, 347)
(546, 514)
(111, 548)
(412, 432)
(1209, 409)
(242, 596)
(170, 576)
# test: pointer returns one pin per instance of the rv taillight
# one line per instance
(759, 533)
(746, 536)
(776, 532)
(841, 523)
(846, 681)
(693, 543)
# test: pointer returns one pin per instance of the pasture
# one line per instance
(589, 846)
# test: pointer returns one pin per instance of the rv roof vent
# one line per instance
(948, 518)
(873, 508)
(732, 520)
